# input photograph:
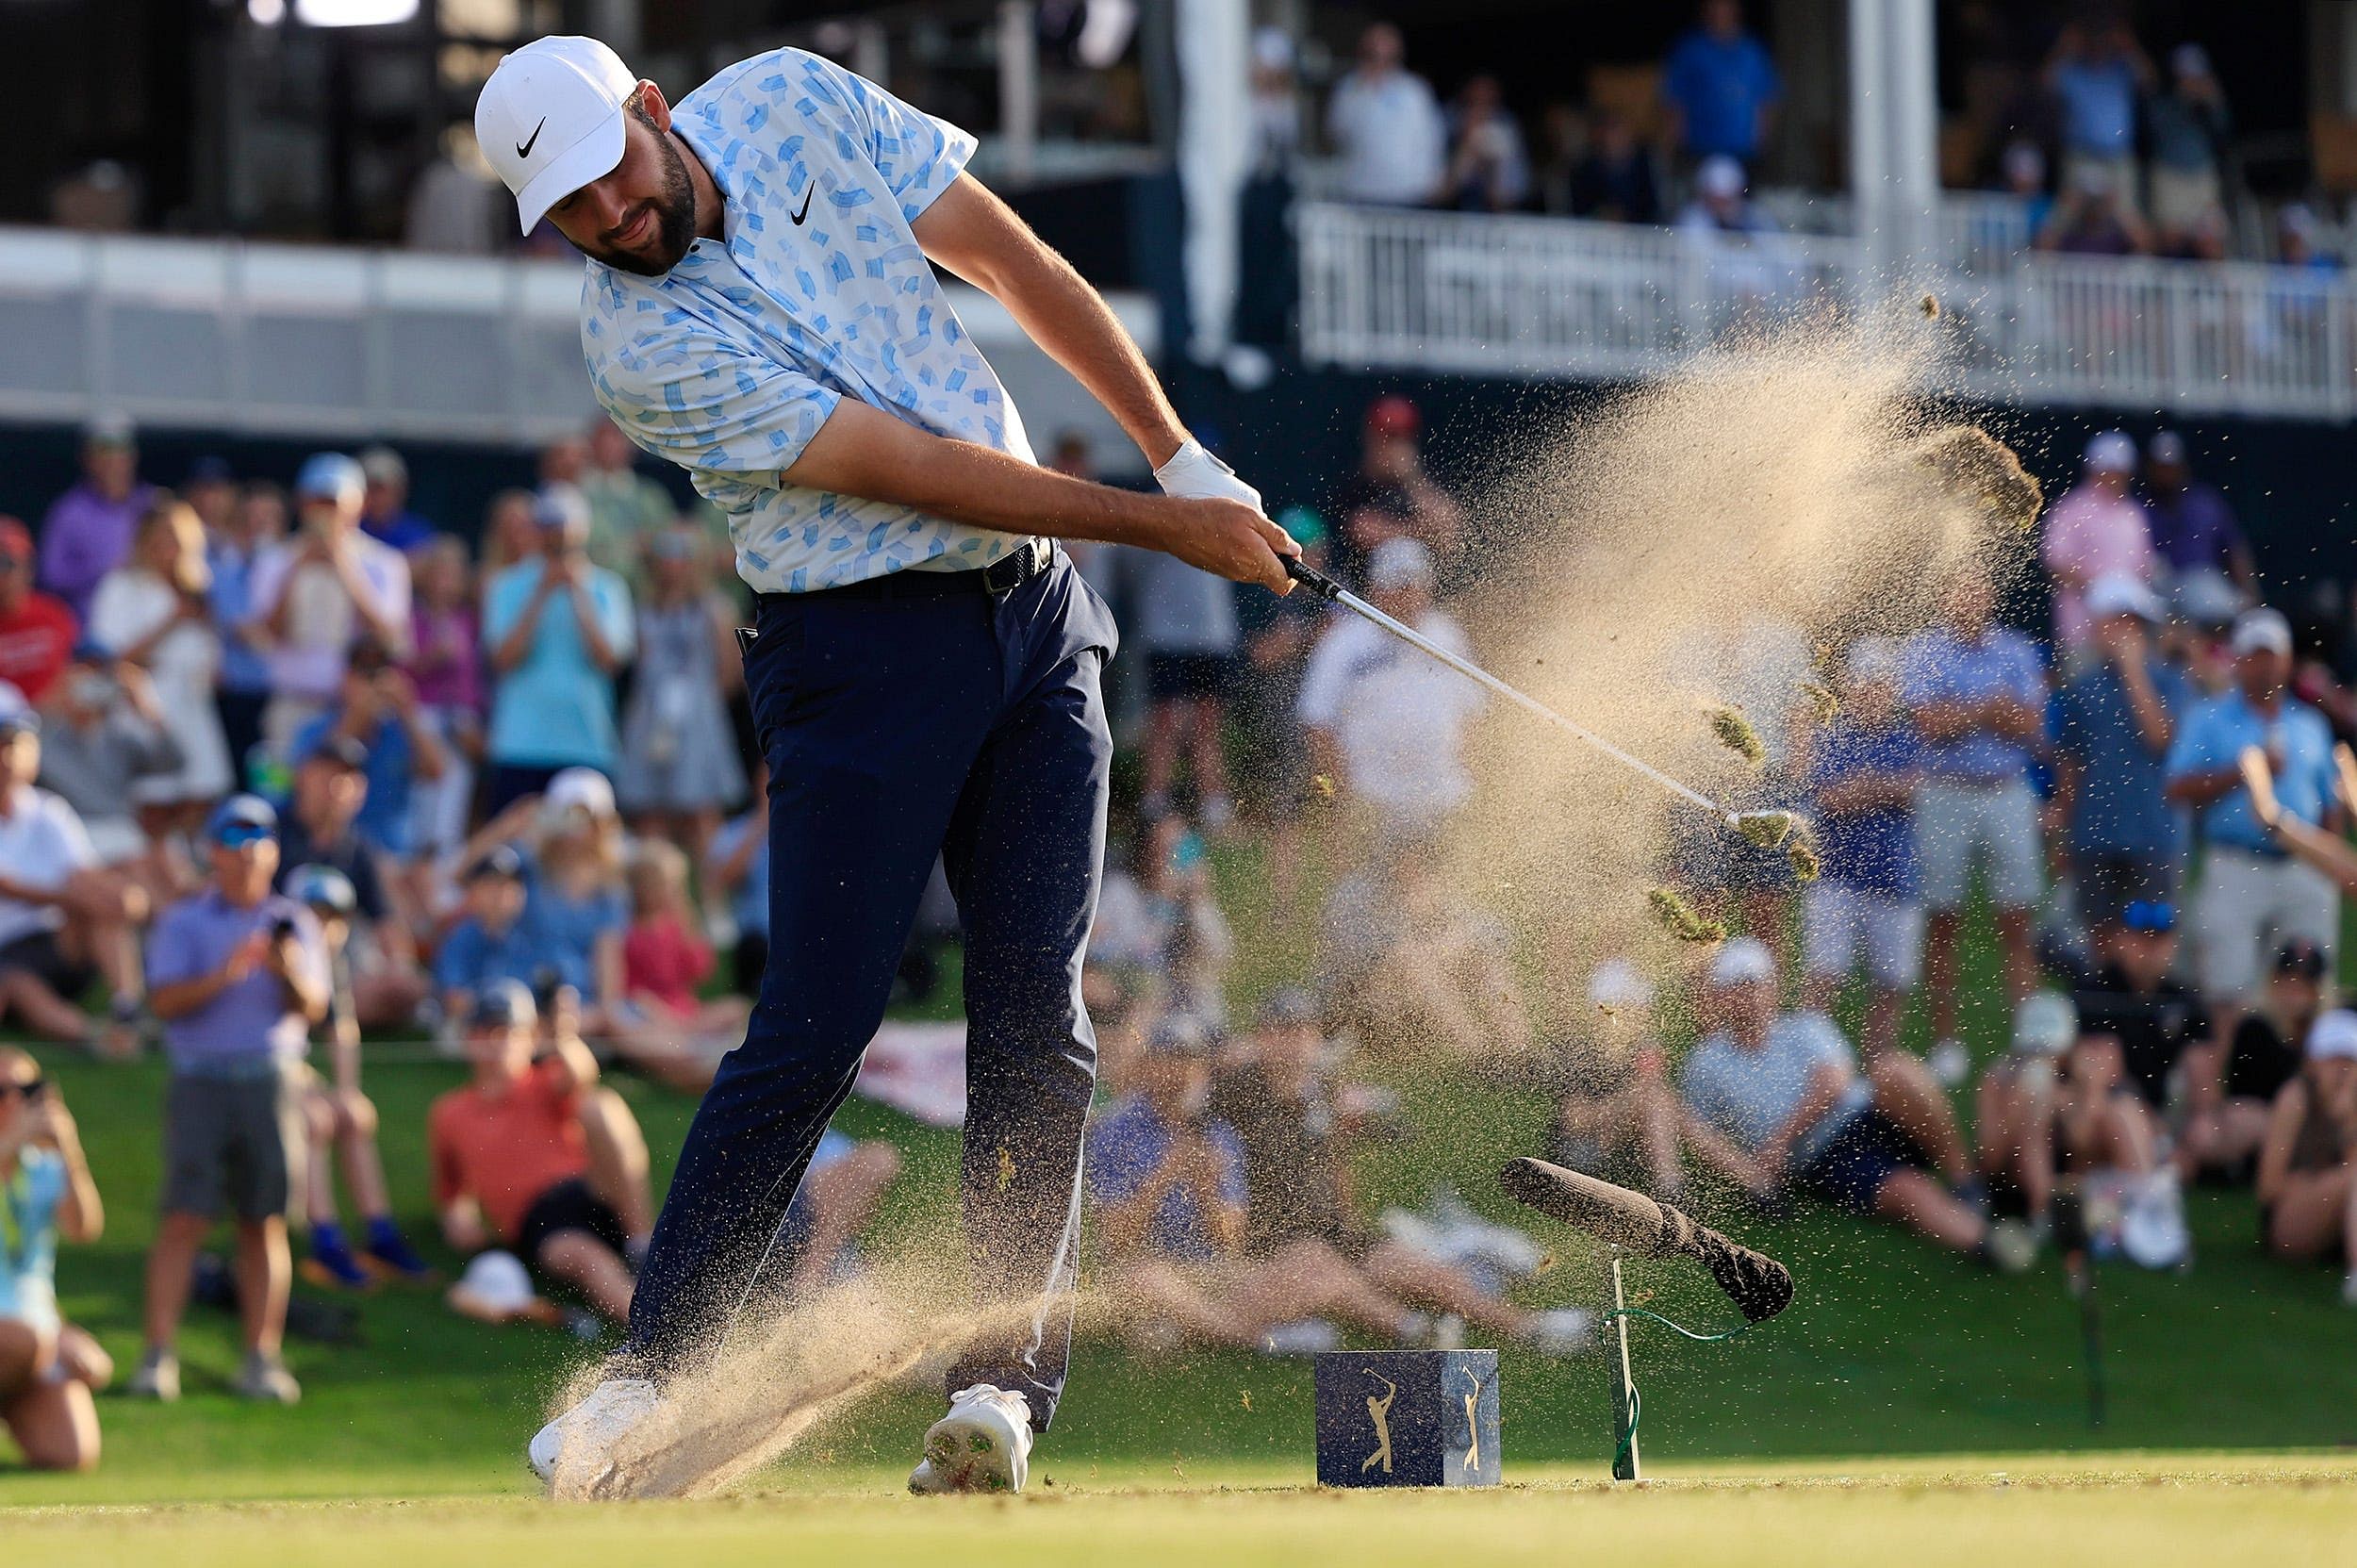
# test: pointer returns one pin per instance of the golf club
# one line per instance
(1767, 829)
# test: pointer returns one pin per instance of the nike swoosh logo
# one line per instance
(524, 148)
(806, 195)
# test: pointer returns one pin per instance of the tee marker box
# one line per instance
(1407, 1417)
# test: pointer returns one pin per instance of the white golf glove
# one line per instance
(1196, 474)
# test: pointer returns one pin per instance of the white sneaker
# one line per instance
(157, 1378)
(982, 1445)
(1564, 1332)
(582, 1440)
(1948, 1062)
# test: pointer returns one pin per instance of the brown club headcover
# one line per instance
(1758, 1285)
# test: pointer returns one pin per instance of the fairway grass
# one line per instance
(2136, 1510)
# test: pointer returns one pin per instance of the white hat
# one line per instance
(2262, 628)
(498, 1282)
(1720, 175)
(1617, 983)
(551, 120)
(1399, 564)
(2045, 1023)
(2111, 452)
(1744, 961)
(2333, 1034)
(2165, 446)
(2117, 593)
(585, 787)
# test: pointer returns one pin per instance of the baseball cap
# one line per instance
(1399, 564)
(1179, 1034)
(1744, 961)
(1394, 415)
(322, 887)
(2262, 630)
(381, 465)
(2299, 956)
(562, 506)
(1720, 175)
(2111, 452)
(16, 540)
(2334, 1033)
(88, 649)
(2117, 593)
(1289, 1007)
(551, 120)
(1617, 983)
(211, 468)
(342, 752)
(503, 862)
(109, 430)
(2152, 916)
(585, 787)
(329, 476)
(504, 1004)
(496, 1281)
(242, 819)
(2044, 1024)
(17, 715)
(2166, 446)
(2205, 597)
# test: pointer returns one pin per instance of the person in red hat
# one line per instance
(37, 631)
(1392, 497)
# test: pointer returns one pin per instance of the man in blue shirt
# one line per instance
(556, 630)
(377, 711)
(761, 309)
(239, 975)
(1721, 87)
(1864, 914)
(1977, 694)
(2254, 895)
(2114, 727)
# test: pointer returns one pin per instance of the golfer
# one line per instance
(924, 668)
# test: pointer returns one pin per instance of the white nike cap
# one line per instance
(551, 120)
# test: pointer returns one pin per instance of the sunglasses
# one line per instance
(240, 835)
(2149, 917)
(31, 1089)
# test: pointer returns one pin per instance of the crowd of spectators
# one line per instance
(281, 772)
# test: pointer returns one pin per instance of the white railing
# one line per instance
(1387, 289)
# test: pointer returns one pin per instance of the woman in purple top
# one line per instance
(447, 669)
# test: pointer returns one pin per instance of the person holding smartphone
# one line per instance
(47, 1366)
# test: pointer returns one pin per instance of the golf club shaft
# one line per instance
(1333, 593)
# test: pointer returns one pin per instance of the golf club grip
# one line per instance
(1311, 578)
(1757, 1283)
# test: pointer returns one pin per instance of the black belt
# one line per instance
(1030, 559)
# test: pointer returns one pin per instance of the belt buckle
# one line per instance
(1014, 568)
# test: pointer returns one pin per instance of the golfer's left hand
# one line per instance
(1195, 473)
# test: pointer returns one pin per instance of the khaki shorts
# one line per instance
(234, 1143)
(2249, 906)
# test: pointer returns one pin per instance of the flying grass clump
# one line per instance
(1972, 462)
(1735, 734)
(1679, 918)
(1802, 854)
(1821, 700)
(1930, 307)
(1766, 829)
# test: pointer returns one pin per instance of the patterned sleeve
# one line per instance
(689, 395)
(919, 156)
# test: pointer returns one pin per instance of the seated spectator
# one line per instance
(1387, 724)
(737, 868)
(319, 592)
(533, 1155)
(1614, 181)
(377, 715)
(103, 732)
(156, 613)
(37, 631)
(1415, 968)
(1720, 88)
(2308, 1165)
(2156, 1020)
(64, 918)
(628, 510)
(2193, 527)
(666, 958)
(88, 530)
(2231, 1093)
(1295, 1127)
(2096, 530)
(446, 674)
(1792, 1114)
(1719, 208)
(385, 514)
(239, 975)
(1615, 1115)
(2253, 896)
(1488, 167)
(579, 903)
(1863, 916)
(339, 1118)
(491, 941)
(679, 764)
(556, 630)
(2189, 127)
(2098, 73)
(2061, 1103)
(2094, 216)
(2296, 230)
(322, 828)
(1385, 125)
(839, 1197)
(48, 1367)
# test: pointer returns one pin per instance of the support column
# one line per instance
(1018, 87)
(1214, 149)
(1894, 153)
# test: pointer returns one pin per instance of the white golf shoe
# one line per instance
(581, 1442)
(982, 1445)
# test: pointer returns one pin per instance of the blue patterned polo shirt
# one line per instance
(729, 363)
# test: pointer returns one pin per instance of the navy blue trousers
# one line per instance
(955, 723)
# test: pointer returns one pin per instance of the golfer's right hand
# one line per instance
(1231, 539)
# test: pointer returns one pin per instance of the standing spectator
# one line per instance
(2096, 530)
(2022, 175)
(2114, 725)
(1720, 88)
(1614, 181)
(210, 488)
(88, 530)
(378, 713)
(255, 524)
(37, 631)
(317, 593)
(385, 514)
(2308, 1169)
(1386, 125)
(2254, 895)
(628, 510)
(1864, 914)
(1390, 496)
(1274, 763)
(154, 613)
(2094, 216)
(2230, 1091)
(47, 1366)
(680, 768)
(102, 735)
(1977, 696)
(2189, 126)
(736, 867)
(2097, 73)
(446, 672)
(1185, 620)
(510, 533)
(2193, 527)
(321, 829)
(557, 629)
(1489, 167)
(240, 977)
(63, 917)
(1387, 724)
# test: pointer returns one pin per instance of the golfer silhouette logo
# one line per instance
(1380, 1411)
(1472, 1424)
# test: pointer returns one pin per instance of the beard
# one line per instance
(674, 207)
